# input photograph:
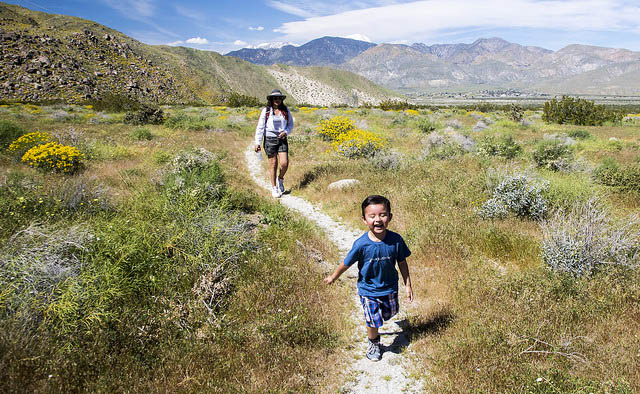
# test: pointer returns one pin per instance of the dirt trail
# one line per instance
(387, 375)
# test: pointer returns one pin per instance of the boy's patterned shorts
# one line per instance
(378, 309)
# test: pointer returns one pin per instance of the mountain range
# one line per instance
(49, 57)
(487, 63)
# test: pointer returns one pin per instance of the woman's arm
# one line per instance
(260, 127)
(289, 127)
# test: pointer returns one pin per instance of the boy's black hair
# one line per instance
(376, 199)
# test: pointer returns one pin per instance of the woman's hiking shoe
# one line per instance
(275, 192)
(281, 184)
(374, 352)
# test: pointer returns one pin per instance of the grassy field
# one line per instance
(158, 266)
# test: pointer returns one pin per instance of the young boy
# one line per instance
(377, 252)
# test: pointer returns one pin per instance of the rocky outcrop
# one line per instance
(80, 66)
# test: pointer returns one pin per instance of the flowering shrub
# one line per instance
(586, 238)
(20, 146)
(517, 194)
(54, 156)
(330, 129)
(357, 143)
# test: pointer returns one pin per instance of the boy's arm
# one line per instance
(340, 269)
(404, 270)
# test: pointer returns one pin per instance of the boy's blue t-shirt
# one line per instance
(377, 275)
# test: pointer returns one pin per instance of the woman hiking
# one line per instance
(274, 125)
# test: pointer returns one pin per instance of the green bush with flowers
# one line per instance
(331, 129)
(357, 143)
(20, 146)
(54, 156)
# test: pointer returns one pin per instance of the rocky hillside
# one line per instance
(47, 57)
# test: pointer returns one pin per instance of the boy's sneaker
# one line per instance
(374, 352)
(281, 184)
(275, 192)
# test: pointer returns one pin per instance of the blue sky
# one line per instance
(226, 25)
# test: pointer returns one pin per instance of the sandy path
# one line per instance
(387, 375)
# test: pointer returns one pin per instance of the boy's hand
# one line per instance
(328, 280)
(409, 293)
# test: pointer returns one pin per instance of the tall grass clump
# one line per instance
(9, 132)
(520, 195)
(182, 121)
(35, 262)
(587, 238)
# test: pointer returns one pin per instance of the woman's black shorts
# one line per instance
(273, 145)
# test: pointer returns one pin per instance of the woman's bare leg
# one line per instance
(273, 167)
(283, 161)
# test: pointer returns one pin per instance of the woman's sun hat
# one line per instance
(276, 93)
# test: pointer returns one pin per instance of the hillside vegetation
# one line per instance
(61, 58)
(155, 265)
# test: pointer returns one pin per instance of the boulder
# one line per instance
(343, 184)
(479, 126)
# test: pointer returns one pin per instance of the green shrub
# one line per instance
(111, 102)
(516, 112)
(395, 105)
(578, 112)
(240, 100)
(9, 132)
(610, 173)
(426, 125)
(579, 134)
(552, 154)
(142, 134)
(503, 145)
(145, 115)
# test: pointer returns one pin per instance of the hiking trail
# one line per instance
(388, 375)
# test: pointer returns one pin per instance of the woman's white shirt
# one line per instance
(275, 125)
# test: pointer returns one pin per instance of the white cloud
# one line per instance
(240, 43)
(197, 40)
(175, 43)
(311, 8)
(259, 28)
(419, 20)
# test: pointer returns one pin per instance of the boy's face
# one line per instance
(377, 218)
